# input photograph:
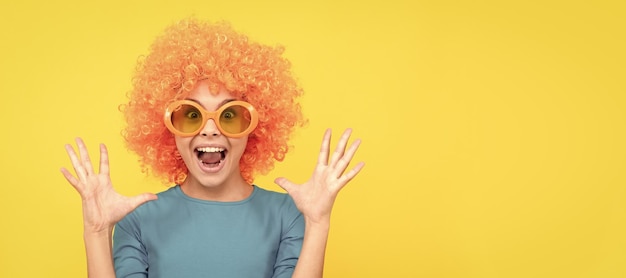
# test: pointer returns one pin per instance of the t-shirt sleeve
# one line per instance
(129, 254)
(291, 240)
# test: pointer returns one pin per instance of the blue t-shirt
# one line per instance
(179, 236)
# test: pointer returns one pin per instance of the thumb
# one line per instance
(286, 184)
(141, 199)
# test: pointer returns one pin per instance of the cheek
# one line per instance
(182, 144)
(239, 145)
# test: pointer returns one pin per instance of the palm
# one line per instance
(102, 205)
(315, 197)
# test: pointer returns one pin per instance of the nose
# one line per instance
(210, 129)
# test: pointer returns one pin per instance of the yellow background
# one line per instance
(493, 131)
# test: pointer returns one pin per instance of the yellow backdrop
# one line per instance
(493, 133)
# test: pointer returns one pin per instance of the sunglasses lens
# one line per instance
(187, 118)
(235, 119)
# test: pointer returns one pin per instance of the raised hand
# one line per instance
(315, 197)
(102, 205)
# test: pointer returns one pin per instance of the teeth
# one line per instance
(210, 150)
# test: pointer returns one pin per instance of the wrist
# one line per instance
(97, 233)
(319, 223)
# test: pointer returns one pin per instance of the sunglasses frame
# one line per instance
(206, 115)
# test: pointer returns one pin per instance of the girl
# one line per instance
(208, 111)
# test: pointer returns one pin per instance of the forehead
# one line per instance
(209, 99)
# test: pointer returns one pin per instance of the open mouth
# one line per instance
(211, 156)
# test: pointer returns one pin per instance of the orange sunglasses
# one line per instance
(233, 119)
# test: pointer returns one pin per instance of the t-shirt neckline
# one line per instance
(179, 192)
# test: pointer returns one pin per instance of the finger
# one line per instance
(76, 163)
(325, 149)
(285, 184)
(341, 147)
(84, 156)
(71, 179)
(104, 160)
(343, 180)
(141, 199)
(345, 160)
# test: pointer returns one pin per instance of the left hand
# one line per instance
(315, 197)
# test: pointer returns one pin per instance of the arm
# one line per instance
(102, 207)
(315, 199)
(311, 261)
(98, 250)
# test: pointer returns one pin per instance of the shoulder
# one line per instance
(167, 200)
(168, 197)
(263, 193)
(277, 199)
(281, 205)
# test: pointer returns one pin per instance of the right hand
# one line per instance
(102, 205)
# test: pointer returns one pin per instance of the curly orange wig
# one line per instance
(190, 51)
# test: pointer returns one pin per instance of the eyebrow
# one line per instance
(218, 106)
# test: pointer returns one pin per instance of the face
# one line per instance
(211, 157)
